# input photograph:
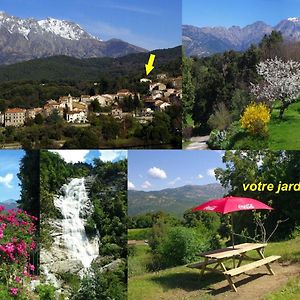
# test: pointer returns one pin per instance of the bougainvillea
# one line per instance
(256, 118)
(17, 230)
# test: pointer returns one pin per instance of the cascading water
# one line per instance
(71, 204)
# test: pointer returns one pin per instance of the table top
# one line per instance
(230, 251)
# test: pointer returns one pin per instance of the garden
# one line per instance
(161, 245)
(247, 100)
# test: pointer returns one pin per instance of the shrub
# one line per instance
(180, 246)
(217, 139)
(16, 244)
(221, 118)
(256, 118)
(46, 291)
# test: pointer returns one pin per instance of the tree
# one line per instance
(188, 89)
(39, 119)
(281, 82)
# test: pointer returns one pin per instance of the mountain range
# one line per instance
(9, 204)
(174, 200)
(25, 39)
(206, 41)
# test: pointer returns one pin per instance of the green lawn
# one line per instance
(285, 134)
(137, 263)
(184, 283)
(139, 234)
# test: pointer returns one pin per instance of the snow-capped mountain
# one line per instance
(24, 39)
(208, 40)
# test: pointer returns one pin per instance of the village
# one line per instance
(162, 93)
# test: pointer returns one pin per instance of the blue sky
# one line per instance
(236, 12)
(158, 169)
(9, 168)
(149, 24)
(74, 156)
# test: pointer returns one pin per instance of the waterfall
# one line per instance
(72, 204)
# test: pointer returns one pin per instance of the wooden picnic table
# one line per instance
(217, 258)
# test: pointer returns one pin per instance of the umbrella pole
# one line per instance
(232, 238)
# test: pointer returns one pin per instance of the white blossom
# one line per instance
(281, 81)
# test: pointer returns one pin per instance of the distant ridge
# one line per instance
(172, 200)
(9, 204)
(206, 41)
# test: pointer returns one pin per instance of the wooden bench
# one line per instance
(237, 271)
(253, 265)
(199, 265)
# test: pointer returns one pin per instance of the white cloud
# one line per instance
(135, 9)
(173, 182)
(6, 180)
(146, 185)
(112, 155)
(200, 176)
(155, 172)
(131, 186)
(72, 156)
(211, 173)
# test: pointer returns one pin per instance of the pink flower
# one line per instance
(18, 279)
(14, 291)
(10, 247)
(31, 267)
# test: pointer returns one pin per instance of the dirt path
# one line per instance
(256, 284)
(198, 143)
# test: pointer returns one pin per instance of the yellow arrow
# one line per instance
(149, 67)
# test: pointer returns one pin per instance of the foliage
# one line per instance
(187, 88)
(180, 246)
(256, 118)
(29, 177)
(221, 118)
(266, 167)
(149, 219)
(103, 285)
(46, 292)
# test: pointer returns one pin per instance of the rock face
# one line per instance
(25, 39)
(71, 251)
(209, 40)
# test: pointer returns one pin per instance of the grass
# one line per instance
(184, 283)
(139, 234)
(284, 134)
(291, 291)
(137, 263)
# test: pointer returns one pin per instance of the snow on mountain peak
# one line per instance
(294, 19)
(65, 29)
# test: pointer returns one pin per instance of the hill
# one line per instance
(175, 201)
(69, 68)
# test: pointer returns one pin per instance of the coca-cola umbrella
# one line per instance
(231, 204)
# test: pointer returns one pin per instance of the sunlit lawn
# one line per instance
(285, 134)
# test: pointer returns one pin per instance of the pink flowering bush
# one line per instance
(17, 230)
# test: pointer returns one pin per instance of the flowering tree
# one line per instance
(17, 230)
(281, 82)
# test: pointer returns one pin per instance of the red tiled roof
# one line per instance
(15, 110)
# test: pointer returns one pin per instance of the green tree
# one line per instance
(188, 89)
